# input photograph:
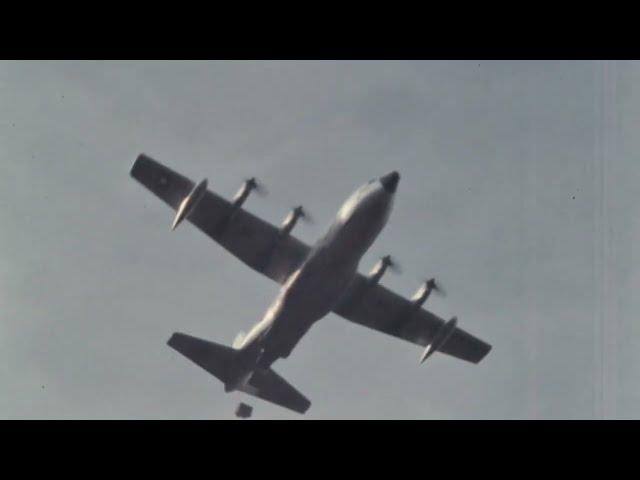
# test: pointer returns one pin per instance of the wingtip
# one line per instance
(487, 351)
(479, 358)
(304, 407)
(173, 339)
(137, 163)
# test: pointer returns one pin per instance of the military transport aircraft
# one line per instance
(315, 281)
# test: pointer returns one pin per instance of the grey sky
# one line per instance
(519, 192)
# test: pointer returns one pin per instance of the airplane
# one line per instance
(315, 280)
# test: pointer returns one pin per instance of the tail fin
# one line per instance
(225, 363)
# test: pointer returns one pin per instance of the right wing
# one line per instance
(381, 309)
(252, 240)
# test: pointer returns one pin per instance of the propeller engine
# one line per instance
(425, 290)
(292, 218)
(381, 267)
(247, 187)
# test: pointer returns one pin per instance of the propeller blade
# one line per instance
(262, 190)
(257, 186)
(392, 263)
(436, 287)
(395, 267)
(304, 215)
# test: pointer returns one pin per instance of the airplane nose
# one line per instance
(390, 181)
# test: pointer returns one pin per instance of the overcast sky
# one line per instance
(519, 192)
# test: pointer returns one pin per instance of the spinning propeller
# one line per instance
(435, 287)
(253, 184)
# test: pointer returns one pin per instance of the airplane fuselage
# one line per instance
(318, 284)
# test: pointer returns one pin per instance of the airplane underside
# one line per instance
(315, 280)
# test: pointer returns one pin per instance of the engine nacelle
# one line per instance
(244, 192)
(291, 220)
(379, 269)
(238, 200)
(288, 223)
(423, 293)
(189, 203)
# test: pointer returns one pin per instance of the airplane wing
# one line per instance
(380, 309)
(255, 242)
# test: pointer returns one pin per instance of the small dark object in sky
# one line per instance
(574, 197)
(243, 410)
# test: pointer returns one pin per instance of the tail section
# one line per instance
(230, 366)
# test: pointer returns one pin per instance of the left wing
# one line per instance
(381, 309)
(255, 242)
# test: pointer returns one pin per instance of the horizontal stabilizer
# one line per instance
(269, 386)
(218, 360)
(225, 364)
